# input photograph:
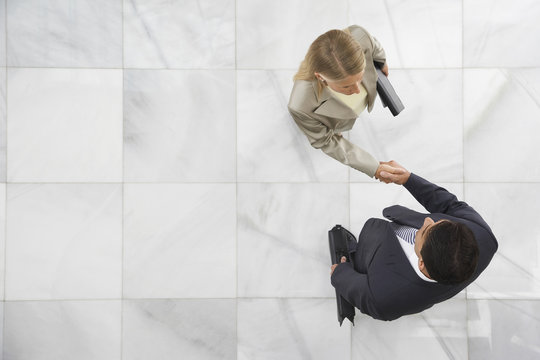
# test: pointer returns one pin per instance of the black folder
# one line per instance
(388, 94)
(341, 240)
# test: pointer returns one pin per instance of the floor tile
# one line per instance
(179, 329)
(179, 126)
(179, 241)
(64, 241)
(503, 329)
(277, 34)
(65, 125)
(414, 33)
(492, 25)
(62, 330)
(187, 34)
(282, 238)
(291, 329)
(64, 33)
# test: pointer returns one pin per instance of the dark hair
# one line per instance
(450, 252)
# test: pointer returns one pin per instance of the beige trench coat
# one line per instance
(324, 117)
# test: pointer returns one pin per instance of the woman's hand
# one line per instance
(384, 69)
(388, 172)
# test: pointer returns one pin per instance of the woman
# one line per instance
(336, 81)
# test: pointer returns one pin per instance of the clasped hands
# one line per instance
(392, 172)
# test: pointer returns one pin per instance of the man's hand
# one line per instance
(399, 176)
(388, 169)
(343, 259)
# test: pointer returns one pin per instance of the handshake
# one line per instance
(392, 172)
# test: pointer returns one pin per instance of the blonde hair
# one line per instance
(335, 54)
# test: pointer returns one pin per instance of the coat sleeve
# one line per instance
(335, 145)
(354, 287)
(436, 199)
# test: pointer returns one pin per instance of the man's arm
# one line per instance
(353, 286)
(432, 197)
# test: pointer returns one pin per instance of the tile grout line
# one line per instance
(122, 198)
(236, 168)
(463, 152)
(2, 352)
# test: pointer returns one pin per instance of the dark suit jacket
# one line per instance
(383, 284)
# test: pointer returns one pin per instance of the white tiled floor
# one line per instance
(158, 202)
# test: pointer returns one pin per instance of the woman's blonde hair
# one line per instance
(335, 54)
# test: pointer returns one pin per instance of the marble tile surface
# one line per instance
(3, 125)
(501, 34)
(291, 329)
(427, 136)
(187, 34)
(437, 333)
(64, 33)
(179, 126)
(270, 145)
(501, 120)
(282, 238)
(3, 33)
(2, 239)
(65, 125)
(179, 241)
(62, 330)
(179, 329)
(414, 33)
(277, 34)
(503, 329)
(64, 241)
(511, 211)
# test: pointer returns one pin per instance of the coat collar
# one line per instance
(330, 106)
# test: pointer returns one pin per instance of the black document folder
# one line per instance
(388, 94)
(341, 240)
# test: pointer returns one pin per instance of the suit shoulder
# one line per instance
(303, 97)
(361, 35)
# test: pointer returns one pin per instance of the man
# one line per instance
(414, 261)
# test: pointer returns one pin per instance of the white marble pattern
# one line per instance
(64, 241)
(498, 33)
(511, 210)
(179, 329)
(282, 238)
(502, 108)
(414, 33)
(179, 126)
(62, 330)
(437, 333)
(3, 125)
(65, 33)
(172, 34)
(270, 145)
(2, 239)
(291, 329)
(179, 241)
(503, 329)
(3, 33)
(64, 125)
(369, 200)
(427, 136)
(277, 34)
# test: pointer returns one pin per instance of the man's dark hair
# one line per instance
(450, 252)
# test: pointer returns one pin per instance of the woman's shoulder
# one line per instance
(361, 35)
(303, 95)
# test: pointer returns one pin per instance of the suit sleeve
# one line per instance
(436, 199)
(334, 145)
(353, 286)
